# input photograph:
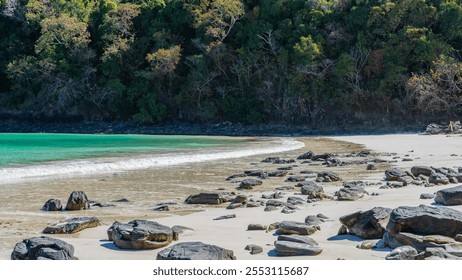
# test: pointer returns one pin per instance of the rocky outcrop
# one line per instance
(78, 200)
(248, 184)
(450, 196)
(206, 198)
(424, 226)
(140, 235)
(52, 205)
(43, 248)
(351, 191)
(72, 225)
(195, 251)
(368, 224)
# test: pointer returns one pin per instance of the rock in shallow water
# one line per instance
(78, 200)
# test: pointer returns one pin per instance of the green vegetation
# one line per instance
(249, 61)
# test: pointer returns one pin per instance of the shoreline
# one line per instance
(177, 183)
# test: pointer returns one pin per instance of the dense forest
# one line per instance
(246, 61)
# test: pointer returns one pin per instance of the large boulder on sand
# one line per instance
(78, 200)
(450, 196)
(195, 251)
(351, 191)
(43, 248)
(424, 226)
(368, 224)
(141, 234)
(72, 225)
(290, 227)
(418, 170)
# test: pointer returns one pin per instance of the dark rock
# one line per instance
(102, 205)
(121, 200)
(296, 178)
(273, 226)
(256, 173)
(450, 196)
(368, 224)
(421, 170)
(427, 196)
(195, 251)
(285, 168)
(312, 190)
(273, 202)
(438, 178)
(235, 206)
(287, 210)
(252, 204)
(407, 223)
(248, 184)
(242, 199)
(254, 249)
(322, 216)
(298, 239)
(78, 200)
(279, 173)
(52, 205)
(72, 225)
(351, 192)
(270, 208)
(394, 174)
(287, 248)
(435, 253)
(307, 155)
(295, 200)
(206, 198)
(283, 161)
(141, 234)
(328, 176)
(270, 159)
(289, 227)
(313, 220)
(276, 195)
(371, 166)
(161, 208)
(43, 248)
(256, 227)
(402, 253)
(234, 176)
(284, 188)
(324, 156)
(366, 245)
(225, 217)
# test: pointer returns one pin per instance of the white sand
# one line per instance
(232, 234)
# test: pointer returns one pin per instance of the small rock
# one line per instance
(161, 208)
(427, 196)
(438, 178)
(289, 227)
(254, 249)
(253, 204)
(279, 173)
(287, 248)
(256, 227)
(242, 199)
(296, 178)
(402, 253)
(52, 205)
(248, 184)
(225, 217)
(123, 200)
(371, 167)
(270, 159)
(307, 155)
(287, 210)
(72, 225)
(235, 206)
(195, 251)
(394, 174)
(366, 245)
(270, 208)
(206, 198)
(78, 200)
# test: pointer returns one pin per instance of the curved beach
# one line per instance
(21, 217)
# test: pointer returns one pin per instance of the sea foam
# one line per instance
(83, 167)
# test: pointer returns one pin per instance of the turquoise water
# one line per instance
(21, 148)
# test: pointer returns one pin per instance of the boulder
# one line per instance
(394, 174)
(295, 200)
(435, 253)
(290, 227)
(256, 173)
(307, 155)
(371, 166)
(288, 248)
(313, 220)
(72, 225)
(78, 200)
(328, 176)
(324, 156)
(248, 184)
(195, 251)
(270, 159)
(43, 248)
(161, 208)
(421, 170)
(423, 226)
(52, 205)
(427, 196)
(298, 239)
(368, 224)
(402, 253)
(296, 178)
(311, 189)
(242, 199)
(206, 198)
(141, 234)
(438, 179)
(450, 196)
(351, 191)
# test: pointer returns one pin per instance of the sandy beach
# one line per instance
(22, 218)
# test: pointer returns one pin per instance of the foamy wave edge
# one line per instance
(103, 166)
